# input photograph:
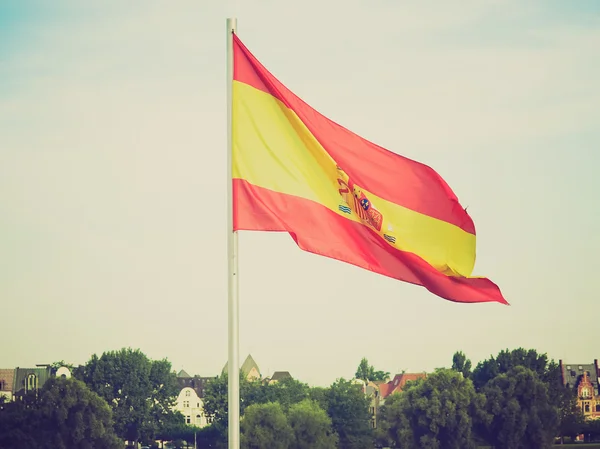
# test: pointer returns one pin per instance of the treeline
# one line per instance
(514, 400)
(122, 395)
(291, 414)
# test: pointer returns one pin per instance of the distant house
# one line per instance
(397, 383)
(277, 376)
(583, 378)
(249, 368)
(190, 399)
(27, 380)
(378, 391)
(371, 391)
(6, 383)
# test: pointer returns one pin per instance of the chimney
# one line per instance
(562, 372)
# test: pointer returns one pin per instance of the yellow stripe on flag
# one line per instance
(282, 155)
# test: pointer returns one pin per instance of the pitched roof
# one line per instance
(278, 375)
(197, 383)
(182, 373)
(572, 374)
(6, 379)
(248, 364)
(398, 382)
(246, 367)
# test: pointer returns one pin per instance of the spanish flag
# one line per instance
(341, 196)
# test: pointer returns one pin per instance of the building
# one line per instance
(27, 380)
(378, 391)
(6, 383)
(190, 399)
(249, 368)
(584, 379)
(276, 377)
(397, 384)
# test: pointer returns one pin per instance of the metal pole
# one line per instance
(233, 372)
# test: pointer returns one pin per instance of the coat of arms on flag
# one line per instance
(358, 202)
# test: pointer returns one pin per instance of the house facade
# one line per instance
(583, 378)
(190, 399)
(6, 383)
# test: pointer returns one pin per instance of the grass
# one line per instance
(580, 445)
(566, 446)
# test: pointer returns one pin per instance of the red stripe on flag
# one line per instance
(319, 230)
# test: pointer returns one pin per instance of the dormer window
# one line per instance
(585, 392)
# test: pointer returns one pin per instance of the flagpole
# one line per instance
(233, 371)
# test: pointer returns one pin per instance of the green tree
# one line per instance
(140, 391)
(216, 398)
(286, 392)
(320, 395)
(591, 430)
(434, 413)
(349, 411)
(461, 364)
(571, 421)
(507, 360)
(211, 437)
(73, 416)
(523, 416)
(65, 415)
(57, 365)
(565, 400)
(311, 426)
(173, 427)
(367, 372)
(265, 426)
(19, 423)
(546, 370)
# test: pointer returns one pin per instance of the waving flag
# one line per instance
(343, 197)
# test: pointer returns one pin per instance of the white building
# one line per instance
(189, 401)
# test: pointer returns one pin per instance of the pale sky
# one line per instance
(113, 179)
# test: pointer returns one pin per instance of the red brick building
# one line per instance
(584, 379)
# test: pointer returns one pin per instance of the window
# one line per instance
(1, 385)
(32, 383)
(586, 407)
(598, 408)
(186, 404)
(188, 419)
(187, 393)
(585, 392)
(198, 418)
(197, 405)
